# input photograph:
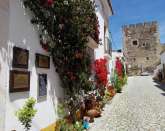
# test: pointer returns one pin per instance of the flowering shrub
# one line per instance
(64, 27)
(119, 67)
(111, 90)
(101, 72)
(120, 77)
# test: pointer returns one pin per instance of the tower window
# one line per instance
(135, 43)
(147, 58)
(134, 59)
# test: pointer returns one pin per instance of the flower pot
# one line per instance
(90, 103)
(78, 115)
(93, 113)
(112, 92)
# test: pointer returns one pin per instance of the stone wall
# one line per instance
(141, 45)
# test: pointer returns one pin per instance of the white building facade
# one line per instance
(104, 50)
(160, 68)
(103, 12)
(162, 58)
(17, 30)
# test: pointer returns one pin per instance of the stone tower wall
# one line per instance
(143, 54)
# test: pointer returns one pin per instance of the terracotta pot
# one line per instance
(112, 92)
(78, 115)
(90, 103)
(110, 87)
(101, 105)
(93, 113)
(102, 92)
(68, 119)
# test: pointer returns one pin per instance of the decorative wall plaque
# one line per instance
(42, 61)
(42, 81)
(20, 58)
(19, 81)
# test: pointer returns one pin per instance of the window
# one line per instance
(134, 59)
(144, 44)
(135, 43)
(147, 58)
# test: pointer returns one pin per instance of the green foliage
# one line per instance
(125, 80)
(78, 126)
(64, 126)
(106, 97)
(117, 83)
(61, 110)
(64, 27)
(26, 113)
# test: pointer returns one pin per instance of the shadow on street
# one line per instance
(161, 86)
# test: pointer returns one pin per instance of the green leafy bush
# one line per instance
(106, 97)
(61, 110)
(117, 83)
(26, 113)
(64, 28)
(64, 126)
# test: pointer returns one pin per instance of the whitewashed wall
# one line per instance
(160, 66)
(4, 22)
(16, 30)
(99, 52)
(103, 12)
(162, 57)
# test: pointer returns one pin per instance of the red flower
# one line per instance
(78, 55)
(119, 67)
(49, 2)
(101, 71)
(45, 46)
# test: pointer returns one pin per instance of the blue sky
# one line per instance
(136, 11)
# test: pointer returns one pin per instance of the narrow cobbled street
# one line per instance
(140, 107)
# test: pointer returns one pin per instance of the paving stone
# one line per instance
(140, 107)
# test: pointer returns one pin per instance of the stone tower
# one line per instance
(141, 47)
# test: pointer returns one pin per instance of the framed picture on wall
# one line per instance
(42, 61)
(20, 58)
(19, 81)
(42, 85)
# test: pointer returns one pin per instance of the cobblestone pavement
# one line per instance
(141, 107)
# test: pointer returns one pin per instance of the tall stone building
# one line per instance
(141, 47)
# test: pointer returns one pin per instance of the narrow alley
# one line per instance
(140, 107)
(65, 65)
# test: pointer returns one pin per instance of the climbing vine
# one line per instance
(64, 27)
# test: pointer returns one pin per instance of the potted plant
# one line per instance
(26, 113)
